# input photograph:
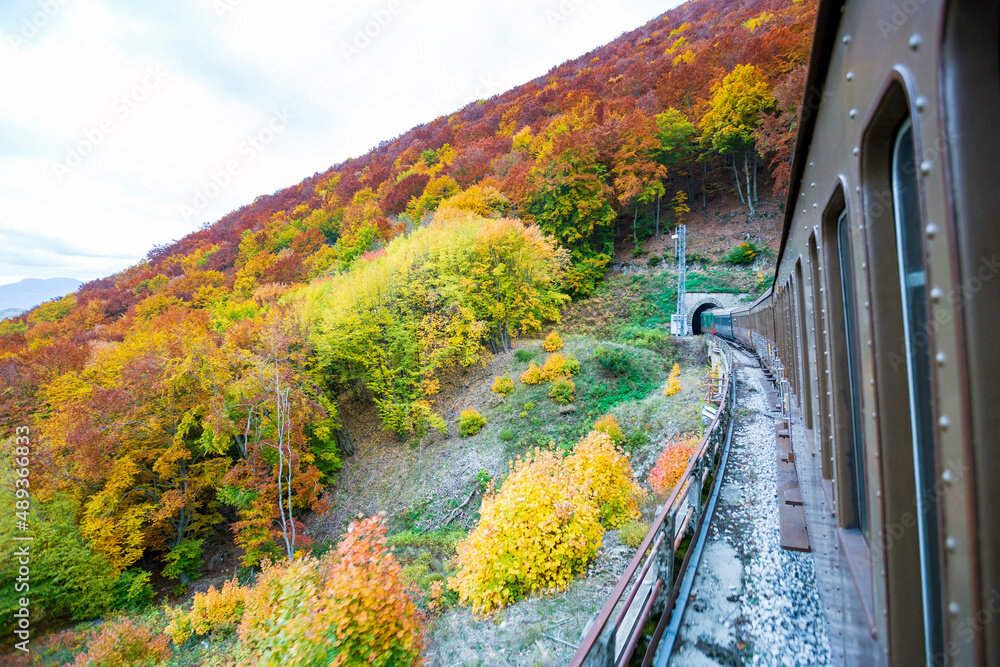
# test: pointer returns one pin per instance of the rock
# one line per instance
(567, 409)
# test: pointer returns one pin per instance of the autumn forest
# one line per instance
(197, 393)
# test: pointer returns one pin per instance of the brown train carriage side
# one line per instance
(883, 318)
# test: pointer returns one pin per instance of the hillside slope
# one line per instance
(215, 393)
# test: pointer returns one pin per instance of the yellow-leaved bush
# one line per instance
(533, 534)
(552, 342)
(503, 385)
(211, 611)
(545, 523)
(610, 427)
(533, 375)
(349, 607)
(470, 422)
(603, 472)
(674, 381)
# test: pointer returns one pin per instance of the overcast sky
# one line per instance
(126, 124)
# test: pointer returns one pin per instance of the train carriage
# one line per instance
(882, 322)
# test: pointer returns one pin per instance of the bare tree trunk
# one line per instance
(736, 176)
(657, 216)
(704, 183)
(746, 173)
(756, 199)
(635, 231)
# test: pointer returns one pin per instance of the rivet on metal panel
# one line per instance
(813, 184)
(920, 103)
(948, 476)
(846, 39)
(930, 230)
(852, 113)
(914, 41)
(953, 609)
(935, 294)
(940, 358)
(856, 151)
(850, 76)
(944, 422)
(926, 166)
(950, 543)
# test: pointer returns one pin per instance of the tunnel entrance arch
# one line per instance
(701, 307)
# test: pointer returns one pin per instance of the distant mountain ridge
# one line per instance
(28, 293)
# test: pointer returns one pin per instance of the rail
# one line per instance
(650, 585)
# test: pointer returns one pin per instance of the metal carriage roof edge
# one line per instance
(827, 24)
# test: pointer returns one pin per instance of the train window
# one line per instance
(916, 335)
(855, 452)
(819, 323)
(804, 357)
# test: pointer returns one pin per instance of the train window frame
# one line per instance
(902, 551)
(843, 413)
(854, 452)
(823, 431)
(913, 297)
(805, 359)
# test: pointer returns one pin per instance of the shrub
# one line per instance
(183, 561)
(125, 643)
(552, 342)
(132, 591)
(613, 359)
(470, 422)
(674, 381)
(571, 365)
(603, 473)
(503, 385)
(349, 607)
(533, 534)
(609, 426)
(632, 533)
(211, 611)
(554, 367)
(744, 253)
(654, 260)
(562, 391)
(671, 463)
(507, 434)
(533, 375)
(524, 355)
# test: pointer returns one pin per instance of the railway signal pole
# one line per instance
(678, 322)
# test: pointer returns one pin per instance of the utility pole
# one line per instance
(678, 322)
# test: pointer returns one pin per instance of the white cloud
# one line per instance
(151, 102)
